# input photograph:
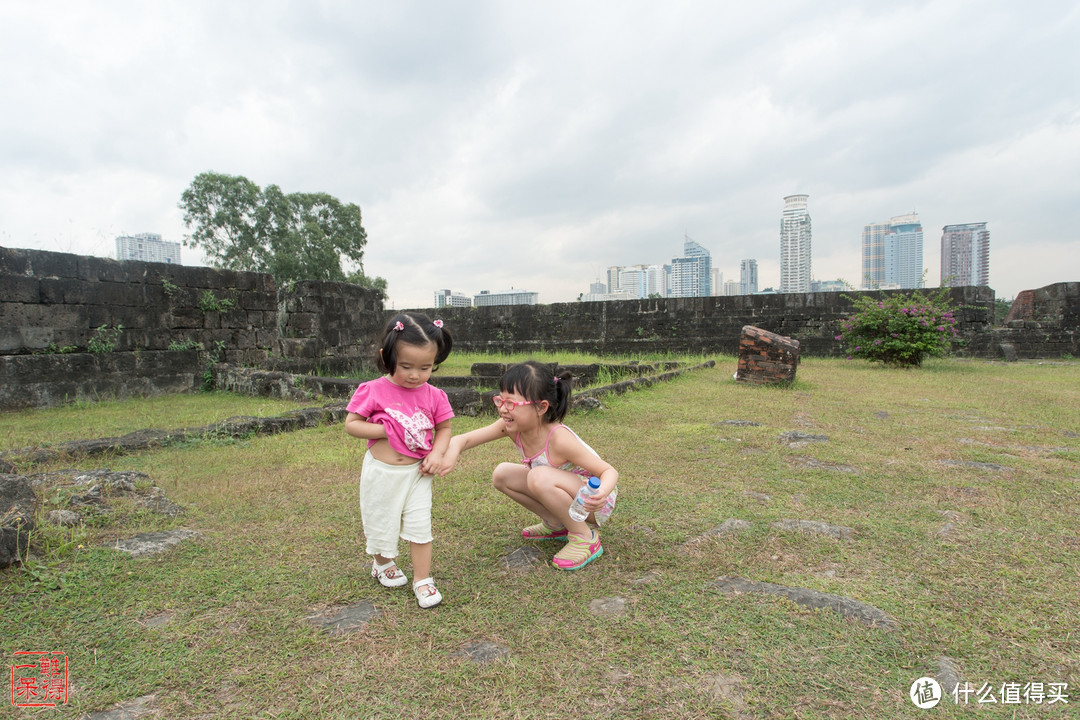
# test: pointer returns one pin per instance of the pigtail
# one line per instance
(564, 385)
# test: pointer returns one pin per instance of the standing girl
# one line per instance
(555, 462)
(406, 422)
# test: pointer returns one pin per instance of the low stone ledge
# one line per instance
(236, 427)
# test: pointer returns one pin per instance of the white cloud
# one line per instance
(495, 144)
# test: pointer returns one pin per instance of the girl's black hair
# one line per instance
(416, 329)
(535, 381)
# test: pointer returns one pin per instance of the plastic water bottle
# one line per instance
(577, 508)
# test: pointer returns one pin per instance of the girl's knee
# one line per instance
(504, 474)
(540, 477)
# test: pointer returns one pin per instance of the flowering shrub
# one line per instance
(900, 329)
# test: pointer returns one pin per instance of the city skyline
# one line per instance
(497, 145)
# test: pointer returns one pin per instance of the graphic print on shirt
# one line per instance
(415, 427)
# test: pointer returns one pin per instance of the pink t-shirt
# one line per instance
(408, 414)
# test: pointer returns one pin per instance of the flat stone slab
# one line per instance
(607, 607)
(867, 615)
(794, 438)
(810, 462)
(482, 651)
(731, 525)
(815, 527)
(345, 620)
(728, 690)
(153, 543)
(948, 674)
(523, 558)
(738, 423)
(135, 709)
(993, 467)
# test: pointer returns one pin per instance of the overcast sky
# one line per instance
(531, 145)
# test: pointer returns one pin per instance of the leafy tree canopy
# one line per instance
(299, 236)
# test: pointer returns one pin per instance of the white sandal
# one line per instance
(427, 595)
(388, 575)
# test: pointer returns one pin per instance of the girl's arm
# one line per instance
(359, 427)
(461, 443)
(433, 462)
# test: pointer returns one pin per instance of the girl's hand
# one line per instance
(449, 461)
(595, 502)
(432, 463)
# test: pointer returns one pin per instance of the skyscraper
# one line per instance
(691, 274)
(748, 277)
(639, 281)
(965, 255)
(893, 253)
(873, 255)
(148, 247)
(795, 245)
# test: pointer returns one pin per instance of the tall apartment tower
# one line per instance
(147, 247)
(748, 277)
(873, 255)
(691, 274)
(795, 245)
(965, 255)
(893, 253)
(640, 281)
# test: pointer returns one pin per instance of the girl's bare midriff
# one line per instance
(382, 452)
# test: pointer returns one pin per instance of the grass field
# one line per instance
(960, 480)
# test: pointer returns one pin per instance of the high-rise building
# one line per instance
(451, 298)
(147, 247)
(748, 277)
(691, 274)
(965, 255)
(795, 245)
(893, 253)
(873, 255)
(613, 278)
(638, 280)
(509, 297)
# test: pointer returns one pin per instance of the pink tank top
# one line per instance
(541, 457)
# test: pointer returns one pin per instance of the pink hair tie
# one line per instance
(556, 379)
(437, 323)
(398, 326)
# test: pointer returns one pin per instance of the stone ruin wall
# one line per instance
(687, 325)
(52, 301)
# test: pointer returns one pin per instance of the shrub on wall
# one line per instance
(901, 329)
(104, 339)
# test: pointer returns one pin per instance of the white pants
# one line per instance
(395, 502)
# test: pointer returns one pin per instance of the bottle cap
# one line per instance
(594, 482)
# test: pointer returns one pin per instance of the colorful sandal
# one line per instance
(543, 531)
(579, 551)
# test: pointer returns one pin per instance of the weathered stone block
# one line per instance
(16, 288)
(18, 505)
(766, 357)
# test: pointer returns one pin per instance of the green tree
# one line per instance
(359, 278)
(299, 236)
